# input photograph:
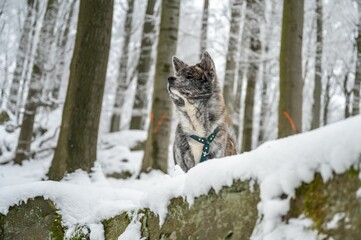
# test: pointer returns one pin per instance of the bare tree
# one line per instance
(123, 78)
(266, 78)
(33, 100)
(253, 18)
(156, 150)
(140, 107)
(230, 72)
(22, 53)
(317, 91)
(61, 46)
(357, 85)
(291, 84)
(77, 144)
(204, 29)
(347, 92)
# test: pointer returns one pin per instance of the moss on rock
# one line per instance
(35, 219)
(321, 202)
(115, 226)
(230, 214)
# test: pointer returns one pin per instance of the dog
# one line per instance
(204, 131)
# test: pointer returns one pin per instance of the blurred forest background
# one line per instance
(72, 70)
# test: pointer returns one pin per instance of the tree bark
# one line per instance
(230, 71)
(357, 85)
(140, 106)
(291, 84)
(204, 29)
(123, 78)
(34, 95)
(77, 144)
(156, 149)
(317, 91)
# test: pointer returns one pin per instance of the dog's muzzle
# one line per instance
(171, 79)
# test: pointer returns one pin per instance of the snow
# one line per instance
(279, 167)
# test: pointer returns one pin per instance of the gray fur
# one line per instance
(197, 95)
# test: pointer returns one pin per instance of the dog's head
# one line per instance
(192, 83)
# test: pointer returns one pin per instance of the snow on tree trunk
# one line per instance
(291, 84)
(357, 86)
(204, 29)
(33, 100)
(230, 71)
(77, 142)
(156, 149)
(123, 78)
(140, 107)
(22, 53)
(317, 91)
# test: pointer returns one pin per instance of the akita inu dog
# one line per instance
(204, 130)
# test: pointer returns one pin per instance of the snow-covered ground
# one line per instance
(279, 167)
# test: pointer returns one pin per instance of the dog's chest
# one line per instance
(193, 124)
(196, 149)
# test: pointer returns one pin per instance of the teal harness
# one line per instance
(206, 142)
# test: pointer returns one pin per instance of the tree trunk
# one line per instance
(123, 78)
(21, 55)
(326, 101)
(317, 91)
(230, 71)
(357, 86)
(204, 29)
(266, 79)
(36, 84)
(156, 149)
(291, 85)
(77, 144)
(140, 107)
(253, 23)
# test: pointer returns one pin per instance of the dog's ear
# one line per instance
(177, 64)
(207, 63)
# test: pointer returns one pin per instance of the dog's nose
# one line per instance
(171, 79)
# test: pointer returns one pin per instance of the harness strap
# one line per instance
(206, 142)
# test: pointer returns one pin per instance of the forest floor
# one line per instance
(279, 167)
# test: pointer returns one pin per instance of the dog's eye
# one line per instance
(189, 76)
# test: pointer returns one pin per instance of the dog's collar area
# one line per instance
(206, 142)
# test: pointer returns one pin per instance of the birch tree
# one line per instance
(77, 143)
(33, 100)
(123, 78)
(291, 84)
(156, 149)
(140, 106)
